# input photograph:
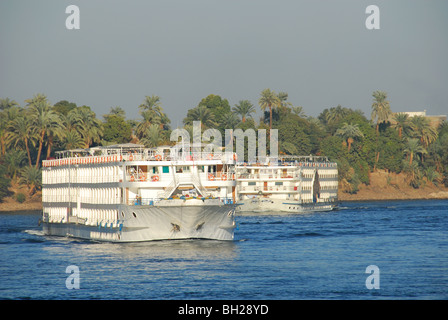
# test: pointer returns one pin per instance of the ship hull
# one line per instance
(158, 222)
(280, 205)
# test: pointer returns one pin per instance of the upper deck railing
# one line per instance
(133, 152)
(71, 158)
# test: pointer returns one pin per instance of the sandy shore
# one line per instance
(10, 204)
(390, 186)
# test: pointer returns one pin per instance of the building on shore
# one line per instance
(435, 120)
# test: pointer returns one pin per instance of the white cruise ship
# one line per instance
(126, 193)
(290, 184)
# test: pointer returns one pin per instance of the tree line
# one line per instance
(391, 141)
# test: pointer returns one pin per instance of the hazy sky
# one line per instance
(320, 52)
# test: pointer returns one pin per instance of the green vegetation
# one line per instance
(359, 145)
(20, 197)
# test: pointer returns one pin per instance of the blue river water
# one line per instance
(292, 257)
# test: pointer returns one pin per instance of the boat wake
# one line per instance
(32, 232)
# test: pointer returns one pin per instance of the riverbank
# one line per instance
(392, 186)
(383, 186)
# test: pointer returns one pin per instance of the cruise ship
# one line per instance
(126, 193)
(293, 184)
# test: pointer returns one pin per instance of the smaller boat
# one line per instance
(292, 184)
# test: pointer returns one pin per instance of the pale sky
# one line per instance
(320, 52)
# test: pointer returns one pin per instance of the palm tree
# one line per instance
(55, 131)
(21, 130)
(32, 177)
(117, 111)
(4, 121)
(244, 108)
(335, 114)
(164, 121)
(423, 130)
(73, 121)
(90, 128)
(150, 102)
(203, 114)
(413, 173)
(73, 140)
(150, 117)
(14, 160)
(161, 118)
(44, 120)
(298, 111)
(269, 100)
(152, 136)
(381, 112)
(413, 147)
(432, 175)
(5, 103)
(231, 122)
(8, 114)
(37, 98)
(283, 97)
(401, 123)
(288, 148)
(380, 108)
(349, 132)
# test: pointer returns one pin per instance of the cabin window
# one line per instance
(279, 183)
(165, 169)
(211, 169)
(182, 169)
(251, 183)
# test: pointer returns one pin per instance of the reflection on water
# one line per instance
(171, 269)
(181, 250)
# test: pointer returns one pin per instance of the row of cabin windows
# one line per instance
(254, 183)
(183, 169)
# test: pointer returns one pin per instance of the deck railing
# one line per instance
(136, 156)
(138, 201)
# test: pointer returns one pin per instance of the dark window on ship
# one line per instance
(211, 168)
(133, 213)
(183, 169)
(252, 183)
(166, 169)
(279, 183)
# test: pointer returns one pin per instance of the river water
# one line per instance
(281, 257)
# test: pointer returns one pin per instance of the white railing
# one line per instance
(153, 201)
(263, 177)
(281, 189)
(138, 156)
